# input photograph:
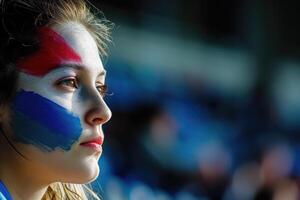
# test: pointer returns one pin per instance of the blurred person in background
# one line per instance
(224, 78)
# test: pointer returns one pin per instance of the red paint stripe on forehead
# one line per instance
(53, 51)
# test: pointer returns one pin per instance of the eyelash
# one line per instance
(72, 82)
(102, 89)
(66, 82)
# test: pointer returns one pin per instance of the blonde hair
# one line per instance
(52, 12)
(67, 191)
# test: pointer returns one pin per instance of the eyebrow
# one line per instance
(79, 67)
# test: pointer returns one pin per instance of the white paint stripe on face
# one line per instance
(44, 86)
(78, 38)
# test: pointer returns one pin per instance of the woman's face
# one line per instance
(58, 111)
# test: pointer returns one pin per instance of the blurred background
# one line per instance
(206, 100)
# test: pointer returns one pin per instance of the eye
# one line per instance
(102, 89)
(70, 83)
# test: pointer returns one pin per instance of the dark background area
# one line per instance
(206, 100)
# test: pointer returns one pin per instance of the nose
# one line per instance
(100, 114)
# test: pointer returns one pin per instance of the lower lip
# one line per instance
(93, 146)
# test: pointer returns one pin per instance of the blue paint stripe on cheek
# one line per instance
(37, 120)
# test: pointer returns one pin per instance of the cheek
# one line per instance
(40, 122)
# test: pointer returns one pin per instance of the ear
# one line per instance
(5, 118)
(4, 113)
(6, 133)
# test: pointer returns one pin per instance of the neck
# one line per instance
(21, 188)
(18, 177)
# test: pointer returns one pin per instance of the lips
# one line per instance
(98, 140)
(95, 143)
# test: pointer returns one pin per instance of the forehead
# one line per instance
(79, 39)
(62, 44)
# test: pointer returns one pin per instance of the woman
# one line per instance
(52, 108)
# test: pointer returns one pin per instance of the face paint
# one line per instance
(43, 123)
(53, 51)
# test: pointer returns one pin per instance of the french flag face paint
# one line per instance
(43, 123)
(36, 119)
(53, 51)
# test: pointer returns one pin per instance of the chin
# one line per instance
(88, 172)
(91, 176)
